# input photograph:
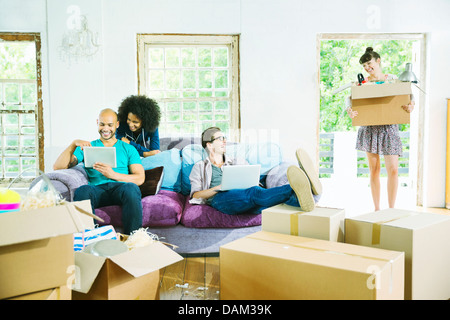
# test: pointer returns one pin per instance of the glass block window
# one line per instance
(195, 81)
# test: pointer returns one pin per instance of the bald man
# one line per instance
(109, 186)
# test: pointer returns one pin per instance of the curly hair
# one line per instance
(146, 109)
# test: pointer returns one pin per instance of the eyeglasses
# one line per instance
(221, 138)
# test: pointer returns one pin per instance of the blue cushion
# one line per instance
(190, 154)
(171, 162)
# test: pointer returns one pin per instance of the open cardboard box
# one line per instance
(425, 239)
(381, 104)
(130, 275)
(273, 266)
(36, 247)
(321, 223)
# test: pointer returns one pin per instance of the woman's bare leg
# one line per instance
(374, 167)
(391, 163)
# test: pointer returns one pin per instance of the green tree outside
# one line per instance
(339, 65)
(17, 60)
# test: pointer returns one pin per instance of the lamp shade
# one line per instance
(408, 75)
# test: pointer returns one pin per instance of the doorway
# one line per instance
(343, 170)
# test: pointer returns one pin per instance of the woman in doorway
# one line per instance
(382, 139)
(139, 120)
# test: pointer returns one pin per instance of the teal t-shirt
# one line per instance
(216, 179)
(126, 154)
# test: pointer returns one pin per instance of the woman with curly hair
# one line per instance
(139, 120)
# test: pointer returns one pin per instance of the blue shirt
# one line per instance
(146, 141)
(125, 154)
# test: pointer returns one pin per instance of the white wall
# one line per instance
(278, 61)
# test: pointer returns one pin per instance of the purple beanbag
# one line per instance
(205, 216)
(161, 210)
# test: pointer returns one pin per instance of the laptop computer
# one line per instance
(106, 155)
(240, 176)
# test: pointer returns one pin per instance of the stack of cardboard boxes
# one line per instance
(423, 237)
(389, 254)
(38, 261)
(36, 251)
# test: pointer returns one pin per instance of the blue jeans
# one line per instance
(253, 200)
(127, 195)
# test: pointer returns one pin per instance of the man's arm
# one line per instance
(196, 178)
(137, 173)
(66, 159)
(206, 194)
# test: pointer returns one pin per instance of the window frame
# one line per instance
(38, 112)
(185, 40)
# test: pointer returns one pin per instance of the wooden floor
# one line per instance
(193, 278)
(197, 278)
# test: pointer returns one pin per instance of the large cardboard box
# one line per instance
(127, 276)
(60, 293)
(321, 223)
(425, 239)
(381, 104)
(267, 265)
(36, 247)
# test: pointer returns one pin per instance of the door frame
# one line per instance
(420, 134)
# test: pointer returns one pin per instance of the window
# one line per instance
(194, 79)
(21, 127)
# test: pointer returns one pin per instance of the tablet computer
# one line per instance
(106, 155)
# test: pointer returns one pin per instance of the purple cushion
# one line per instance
(160, 210)
(205, 216)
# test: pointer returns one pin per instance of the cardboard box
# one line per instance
(127, 276)
(425, 239)
(60, 293)
(273, 266)
(381, 104)
(321, 223)
(36, 247)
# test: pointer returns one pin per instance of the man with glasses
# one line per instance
(206, 179)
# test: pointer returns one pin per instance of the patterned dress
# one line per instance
(382, 140)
